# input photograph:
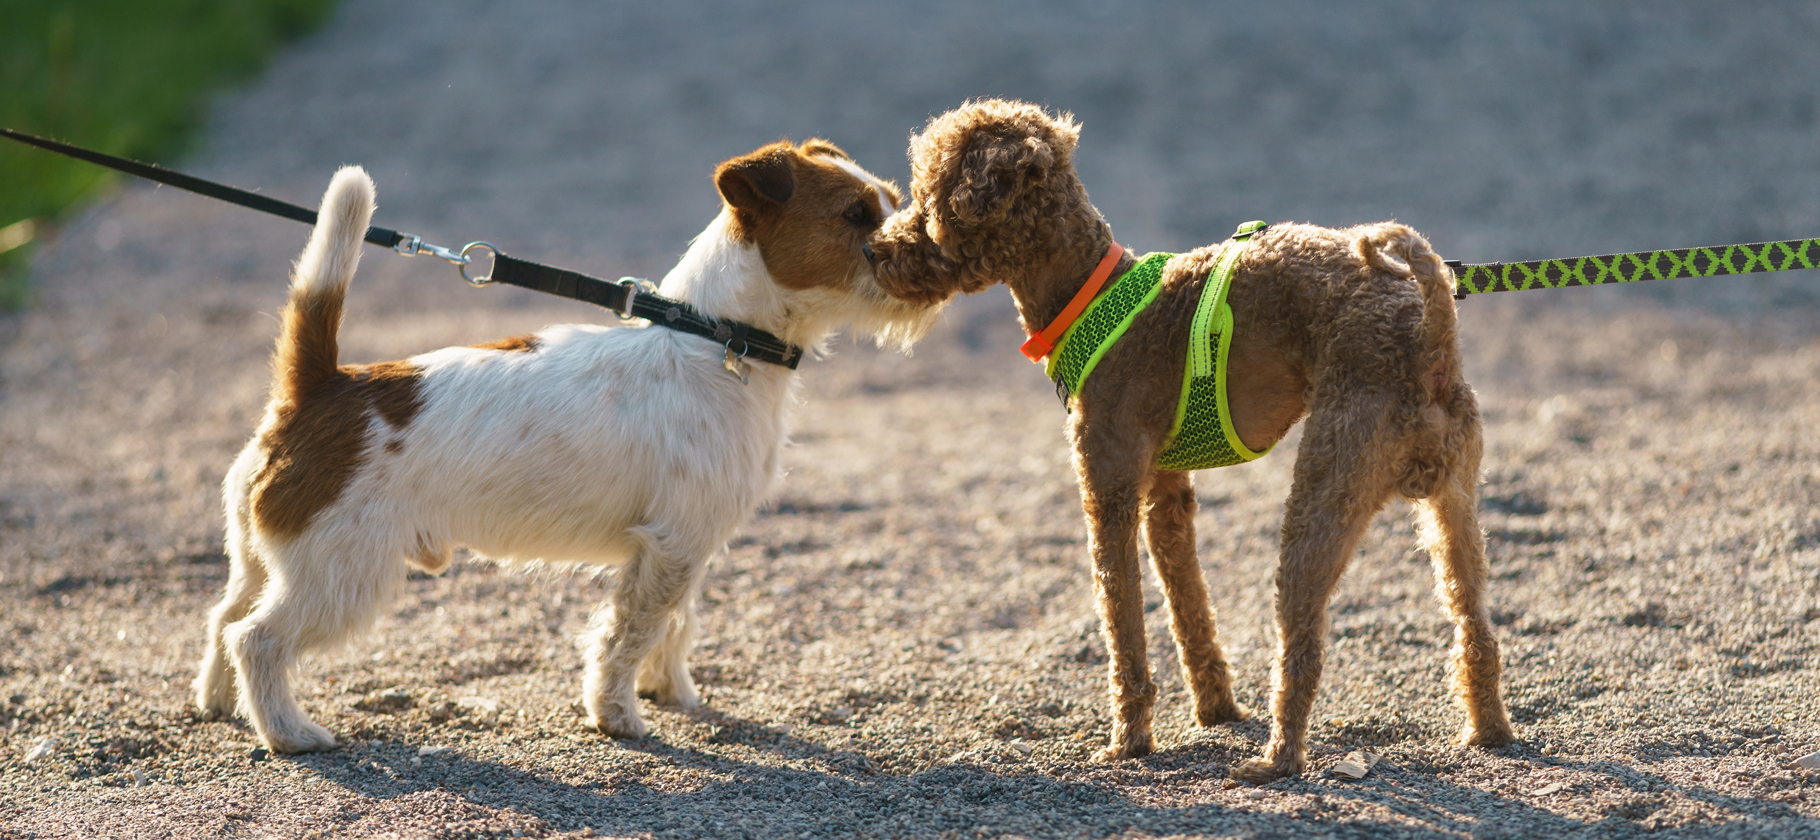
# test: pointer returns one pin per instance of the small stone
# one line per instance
(1023, 747)
(139, 779)
(484, 704)
(1254, 794)
(1546, 790)
(1811, 761)
(258, 754)
(437, 750)
(41, 749)
(587, 831)
(1355, 765)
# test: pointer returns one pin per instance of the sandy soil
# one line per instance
(903, 644)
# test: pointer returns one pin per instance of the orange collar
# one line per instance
(1043, 341)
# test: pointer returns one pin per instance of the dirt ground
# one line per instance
(902, 643)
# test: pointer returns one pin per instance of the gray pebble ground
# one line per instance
(903, 643)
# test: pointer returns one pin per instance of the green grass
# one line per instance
(127, 77)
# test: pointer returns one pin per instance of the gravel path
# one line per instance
(903, 644)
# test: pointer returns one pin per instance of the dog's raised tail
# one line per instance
(1399, 250)
(307, 348)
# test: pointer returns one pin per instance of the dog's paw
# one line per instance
(1121, 749)
(215, 693)
(302, 737)
(212, 706)
(1259, 771)
(615, 721)
(1488, 736)
(671, 693)
(1229, 712)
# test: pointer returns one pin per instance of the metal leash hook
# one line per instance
(466, 260)
(633, 286)
(412, 245)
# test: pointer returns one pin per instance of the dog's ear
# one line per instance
(757, 185)
(818, 146)
(974, 162)
(994, 171)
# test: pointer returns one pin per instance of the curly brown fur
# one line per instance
(1352, 329)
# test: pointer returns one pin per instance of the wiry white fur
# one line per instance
(630, 448)
(328, 261)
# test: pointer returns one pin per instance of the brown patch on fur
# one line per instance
(1353, 328)
(307, 345)
(313, 445)
(514, 344)
(784, 197)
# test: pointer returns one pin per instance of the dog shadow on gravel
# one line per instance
(766, 783)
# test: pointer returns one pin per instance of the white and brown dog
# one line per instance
(579, 445)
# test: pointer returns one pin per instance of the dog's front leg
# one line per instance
(1109, 496)
(1169, 509)
(646, 591)
(664, 676)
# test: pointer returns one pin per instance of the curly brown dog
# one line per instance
(1352, 329)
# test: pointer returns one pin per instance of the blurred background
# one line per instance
(584, 133)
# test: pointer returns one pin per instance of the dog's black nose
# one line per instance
(866, 249)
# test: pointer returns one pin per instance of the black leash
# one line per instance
(627, 298)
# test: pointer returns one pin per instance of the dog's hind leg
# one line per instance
(646, 591)
(320, 591)
(1169, 508)
(214, 684)
(1448, 521)
(1343, 476)
(664, 676)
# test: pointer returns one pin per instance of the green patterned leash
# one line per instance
(1788, 254)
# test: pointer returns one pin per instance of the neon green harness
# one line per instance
(1202, 436)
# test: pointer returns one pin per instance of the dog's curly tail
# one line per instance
(1399, 250)
(307, 348)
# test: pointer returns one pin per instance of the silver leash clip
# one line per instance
(412, 245)
(634, 287)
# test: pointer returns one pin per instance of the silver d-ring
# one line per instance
(630, 284)
(744, 347)
(485, 278)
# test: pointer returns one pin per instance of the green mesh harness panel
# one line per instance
(1104, 320)
(1201, 436)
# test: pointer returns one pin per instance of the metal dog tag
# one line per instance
(738, 367)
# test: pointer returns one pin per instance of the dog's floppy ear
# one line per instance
(995, 170)
(976, 160)
(758, 184)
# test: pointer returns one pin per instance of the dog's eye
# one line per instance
(858, 213)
